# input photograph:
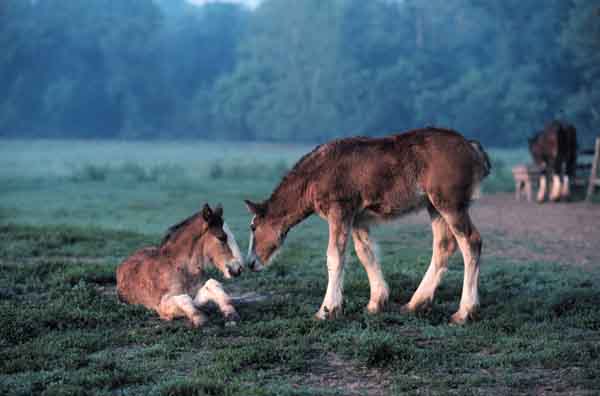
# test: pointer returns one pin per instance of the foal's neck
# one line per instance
(290, 203)
(180, 248)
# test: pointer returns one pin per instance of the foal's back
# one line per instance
(395, 173)
(144, 278)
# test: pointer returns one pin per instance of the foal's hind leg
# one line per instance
(180, 305)
(444, 245)
(365, 250)
(213, 291)
(469, 241)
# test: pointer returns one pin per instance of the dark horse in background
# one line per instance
(358, 182)
(554, 151)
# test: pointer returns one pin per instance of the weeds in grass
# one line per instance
(248, 170)
(61, 334)
(128, 172)
(63, 331)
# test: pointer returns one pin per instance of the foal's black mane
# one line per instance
(174, 231)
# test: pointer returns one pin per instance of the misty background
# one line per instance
(299, 71)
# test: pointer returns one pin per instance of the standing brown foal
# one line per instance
(357, 182)
(164, 278)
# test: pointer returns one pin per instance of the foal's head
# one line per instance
(266, 237)
(210, 241)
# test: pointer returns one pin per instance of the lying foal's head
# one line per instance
(209, 240)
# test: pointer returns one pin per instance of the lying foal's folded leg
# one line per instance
(180, 305)
(213, 291)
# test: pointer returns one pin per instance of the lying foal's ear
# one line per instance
(254, 208)
(218, 211)
(206, 212)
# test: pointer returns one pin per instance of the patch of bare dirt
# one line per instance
(566, 233)
(349, 377)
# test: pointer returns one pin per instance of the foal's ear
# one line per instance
(207, 212)
(218, 211)
(255, 208)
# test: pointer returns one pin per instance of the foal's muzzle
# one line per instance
(254, 264)
(234, 269)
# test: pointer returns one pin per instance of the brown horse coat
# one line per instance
(356, 182)
(164, 278)
(554, 151)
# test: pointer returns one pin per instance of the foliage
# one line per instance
(297, 70)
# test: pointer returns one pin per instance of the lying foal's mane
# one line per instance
(174, 231)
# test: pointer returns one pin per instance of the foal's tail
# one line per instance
(483, 158)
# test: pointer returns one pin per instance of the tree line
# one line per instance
(294, 70)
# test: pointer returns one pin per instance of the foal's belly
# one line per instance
(391, 207)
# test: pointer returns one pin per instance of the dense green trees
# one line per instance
(296, 70)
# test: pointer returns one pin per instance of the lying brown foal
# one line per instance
(165, 278)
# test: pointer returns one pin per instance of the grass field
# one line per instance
(71, 211)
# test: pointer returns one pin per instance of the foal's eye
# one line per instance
(222, 238)
(252, 227)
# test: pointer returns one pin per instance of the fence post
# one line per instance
(594, 178)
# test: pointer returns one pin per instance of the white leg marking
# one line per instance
(332, 303)
(334, 294)
(542, 190)
(181, 305)
(470, 293)
(367, 252)
(555, 192)
(212, 291)
(425, 293)
(566, 191)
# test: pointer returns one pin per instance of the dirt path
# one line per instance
(566, 233)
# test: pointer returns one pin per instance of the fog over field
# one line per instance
(288, 70)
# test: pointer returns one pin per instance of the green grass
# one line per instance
(64, 229)
(62, 333)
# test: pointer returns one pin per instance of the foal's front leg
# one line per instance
(171, 307)
(212, 291)
(339, 229)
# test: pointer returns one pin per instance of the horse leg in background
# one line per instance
(556, 187)
(556, 182)
(366, 251)
(570, 162)
(444, 245)
(541, 196)
(469, 242)
(565, 191)
(212, 291)
(171, 307)
(339, 228)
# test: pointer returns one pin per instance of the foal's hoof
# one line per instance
(198, 320)
(412, 309)
(232, 318)
(328, 313)
(375, 307)
(407, 309)
(461, 318)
